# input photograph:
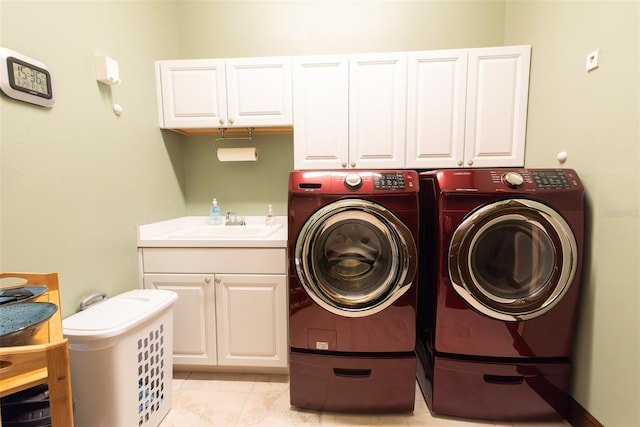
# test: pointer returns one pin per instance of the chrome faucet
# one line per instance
(232, 218)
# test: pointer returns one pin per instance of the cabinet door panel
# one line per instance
(321, 121)
(259, 92)
(497, 94)
(377, 105)
(193, 93)
(437, 82)
(194, 322)
(252, 316)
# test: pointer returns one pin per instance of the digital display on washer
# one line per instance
(550, 180)
(388, 181)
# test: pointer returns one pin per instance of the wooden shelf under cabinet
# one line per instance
(235, 131)
(44, 360)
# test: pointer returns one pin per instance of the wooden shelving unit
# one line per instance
(44, 360)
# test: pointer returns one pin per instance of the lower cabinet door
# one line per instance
(252, 317)
(194, 324)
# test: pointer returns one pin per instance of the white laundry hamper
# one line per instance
(121, 357)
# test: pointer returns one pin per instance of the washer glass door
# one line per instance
(354, 257)
(512, 259)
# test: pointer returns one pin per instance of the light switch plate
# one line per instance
(592, 60)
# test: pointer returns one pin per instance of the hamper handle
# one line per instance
(92, 299)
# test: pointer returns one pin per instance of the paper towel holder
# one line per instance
(235, 138)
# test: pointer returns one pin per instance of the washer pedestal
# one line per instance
(353, 383)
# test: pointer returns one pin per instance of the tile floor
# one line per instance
(222, 399)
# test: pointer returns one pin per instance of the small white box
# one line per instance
(121, 357)
(107, 70)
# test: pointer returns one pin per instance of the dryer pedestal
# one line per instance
(497, 391)
(353, 383)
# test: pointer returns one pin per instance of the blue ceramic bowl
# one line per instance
(21, 293)
(20, 322)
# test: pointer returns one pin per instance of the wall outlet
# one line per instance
(592, 60)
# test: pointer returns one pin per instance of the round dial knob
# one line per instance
(353, 181)
(513, 179)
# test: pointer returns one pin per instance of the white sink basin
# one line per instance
(226, 232)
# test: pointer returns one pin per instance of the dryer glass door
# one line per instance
(354, 257)
(512, 259)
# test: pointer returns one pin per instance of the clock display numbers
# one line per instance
(29, 78)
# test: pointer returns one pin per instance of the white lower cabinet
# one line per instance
(251, 314)
(224, 319)
(194, 316)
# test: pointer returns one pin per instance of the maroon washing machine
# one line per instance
(352, 290)
(500, 262)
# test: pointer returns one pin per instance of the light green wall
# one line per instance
(76, 180)
(266, 28)
(595, 118)
(75, 185)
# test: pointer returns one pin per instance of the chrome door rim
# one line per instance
(403, 256)
(541, 218)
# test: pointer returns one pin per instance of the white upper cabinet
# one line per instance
(436, 102)
(497, 96)
(418, 110)
(216, 93)
(349, 112)
(467, 107)
(259, 92)
(377, 106)
(321, 112)
(191, 93)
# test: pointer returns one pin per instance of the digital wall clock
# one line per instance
(25, 79)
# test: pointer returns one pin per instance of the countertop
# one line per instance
(183, 232)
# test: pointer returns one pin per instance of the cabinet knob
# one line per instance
(230, 121)
(344, 165)
(221, 121)
(353, 164)
(218, 280)
(470, 162)
(460, 163)
(207, 280)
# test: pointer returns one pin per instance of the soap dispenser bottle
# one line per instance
(214, 213)
(270, 219)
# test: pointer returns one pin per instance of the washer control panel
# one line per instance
(388, 181)
(550, 180)
(354, 182)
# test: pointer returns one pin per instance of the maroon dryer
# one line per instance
(500, 261)
(352, 289)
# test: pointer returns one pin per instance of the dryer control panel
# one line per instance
(514, 181)
(550, 180)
